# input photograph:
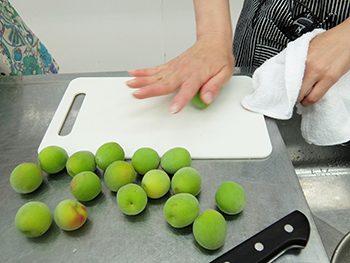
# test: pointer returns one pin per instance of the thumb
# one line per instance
(212, 87)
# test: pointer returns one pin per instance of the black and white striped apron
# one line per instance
(262, 28)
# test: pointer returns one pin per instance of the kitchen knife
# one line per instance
(292, 230)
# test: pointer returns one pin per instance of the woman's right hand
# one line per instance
(208, 65)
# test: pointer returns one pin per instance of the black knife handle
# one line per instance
(292, 230)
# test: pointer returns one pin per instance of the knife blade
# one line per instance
(293, 230)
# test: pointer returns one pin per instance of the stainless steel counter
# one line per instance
(27, 105)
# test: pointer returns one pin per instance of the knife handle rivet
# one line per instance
(288, 228)
(259, 246)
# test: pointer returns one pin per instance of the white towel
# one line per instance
(276, 86)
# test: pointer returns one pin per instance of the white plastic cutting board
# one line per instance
(110, 113)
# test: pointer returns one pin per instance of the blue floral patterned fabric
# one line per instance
(22, 53)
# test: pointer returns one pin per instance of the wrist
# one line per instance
(213, 18)
(218, 39)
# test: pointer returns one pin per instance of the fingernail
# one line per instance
(137, 92)
(130, 82)
(174, 108)
(208, 97)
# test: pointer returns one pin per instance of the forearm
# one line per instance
(345, 27)
(213, 17)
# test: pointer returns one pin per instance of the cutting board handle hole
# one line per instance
(72, 115)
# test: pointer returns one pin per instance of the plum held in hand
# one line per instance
(26, 178)
(210, 229)
(70, 215)
(52, 159)
(33, 219)
(197, 101)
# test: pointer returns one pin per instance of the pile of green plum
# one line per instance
(172, 171)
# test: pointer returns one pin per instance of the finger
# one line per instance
(147, 71)
(315, 86)
(309, 81)
(316, 93)
(142, 81)
(162, 87)
(213, 86)
(304, 91)
(210, 88)
(188, 89)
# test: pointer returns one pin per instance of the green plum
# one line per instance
(81, 161)
(156, 183)
(52, 159)
(118, 174)
(144, 160)
(175, 159)
(230, 198)
(26, 178)
(186, 180)
(33, 219)
(197, 101)
(210, 229)
(85, 186)
(108, 153)
(132, 199)
(180, 210)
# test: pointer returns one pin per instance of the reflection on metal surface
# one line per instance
(325, 171)
(327, 193)
(324, 175)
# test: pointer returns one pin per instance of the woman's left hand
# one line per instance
(327, 61)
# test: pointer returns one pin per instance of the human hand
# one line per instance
(327, 61)
(208, 65)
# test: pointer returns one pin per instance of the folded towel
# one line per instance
(276, 86)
